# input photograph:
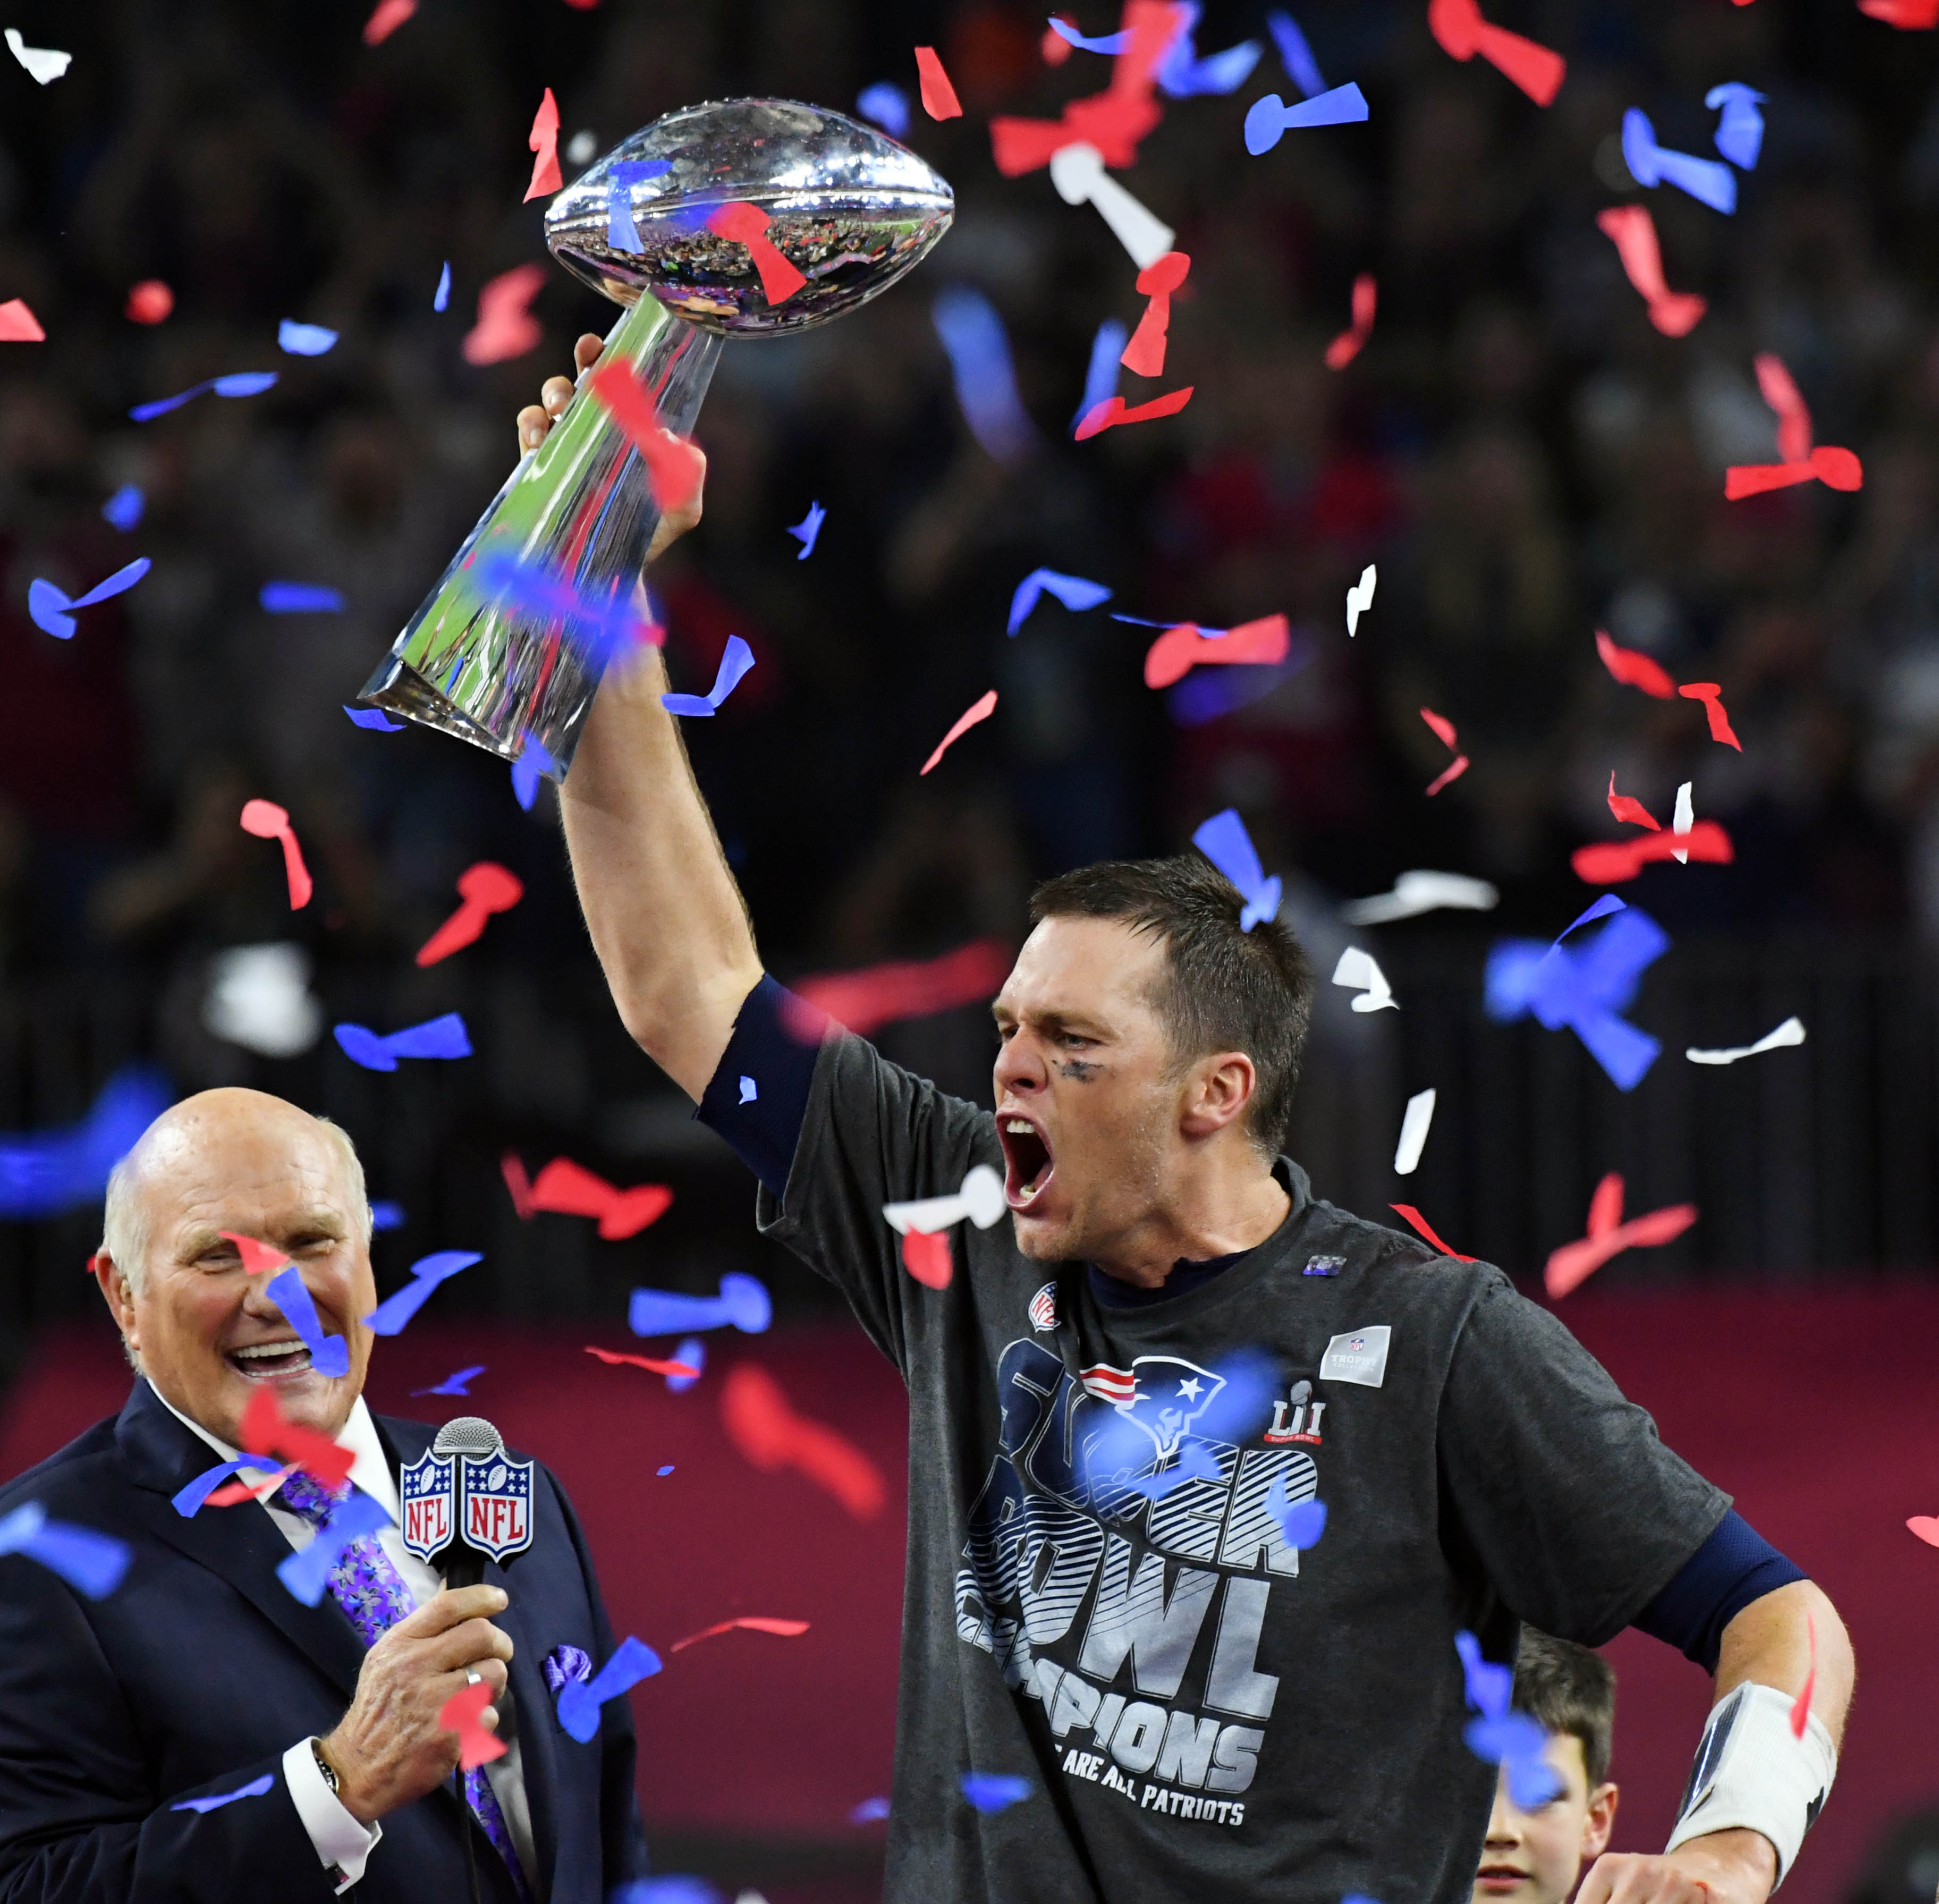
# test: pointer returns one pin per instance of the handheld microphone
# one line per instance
(489, 1498)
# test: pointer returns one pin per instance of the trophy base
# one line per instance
(400, 691)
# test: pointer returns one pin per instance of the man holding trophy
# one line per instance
(1163, 1640)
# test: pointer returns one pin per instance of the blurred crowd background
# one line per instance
(1523, 455)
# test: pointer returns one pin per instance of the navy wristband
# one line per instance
(765, 1131)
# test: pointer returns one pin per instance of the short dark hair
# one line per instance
(1223, 989)
(1570, 1690)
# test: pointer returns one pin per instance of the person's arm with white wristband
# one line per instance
(1755, 1785)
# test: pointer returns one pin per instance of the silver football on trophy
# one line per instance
(746, 218)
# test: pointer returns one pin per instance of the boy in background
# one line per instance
(1535, 1857)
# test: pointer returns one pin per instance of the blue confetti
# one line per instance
(693, 1353)
(749, 1090)
(300, 598)
(1182, 74)
(528, 769)
(304, 339)
(1194, 1462)
(664, 1472)
(1302, 1522)
(124, 507)
(389, 1317)
(189, 1501)
(1268, 118)
(43, 1174)
(744, 1304)
(238, 383)
(677, 1889)
(443, 297)
(1740, 134)
(387, 1216)
(887, 106)
(1112, 43)
(1073, 591)
(871, 1810)
(580, 1701)
(1224, 841)
(622, 233)
(1295, 54)
(1101, 375)
(453, 1384)
(329, 1355)
(1650, 164)
(1585, 989)
(1209, 693)
(92, 1562)
(436, 1037)
(995, 1791)
(986, 380)
(735, 659)
(305, 1574)
(375, 719)
(806, 530)
(49, 605)
(255, 1788)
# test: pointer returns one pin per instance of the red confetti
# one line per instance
(150, 302)
(1111, 412)
(463, 1713)
(1634, 812)
(234, 1492)
(1145, 353)
(391, 14)
(1426, 1229)
(1444, 728)
(768, 1433)
(903, 989)
(1926, 1528)
(1351, 342)
(978, 710)
(1632, 231)
(1709, 692)
(543, 139)
(646, 1362)
(570, 1190)
(926, 1257)
(267, 821)
(265, 1431)
(1180, 649)
(1609, 1235)
(1609, 862)
(747, 224)
(1462, 33)
(939, 96)
(675, 467)
(1837, 469)
(1634, 668)
(486, 889)
(512, 1167)
(257, 1257)
(18, 324)
(1800, 1710)
(1908, 16)
(1780, 391)
(784, 1629)
(506, 328)
(1114, 121)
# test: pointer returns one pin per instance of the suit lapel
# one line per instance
(240, 1545)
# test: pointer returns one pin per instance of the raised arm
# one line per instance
(668, 922)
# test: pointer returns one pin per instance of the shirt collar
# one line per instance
(370, 1470)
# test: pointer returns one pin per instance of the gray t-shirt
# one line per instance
(1202, 1711)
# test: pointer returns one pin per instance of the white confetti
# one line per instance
(1078, 172)
(981, 1199)
(1360, 971)
(1413, 1132)
(1360, 599)
(1421, 892)
(45, 64)
(1791, 1031)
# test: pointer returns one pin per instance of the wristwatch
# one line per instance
(324, 1766)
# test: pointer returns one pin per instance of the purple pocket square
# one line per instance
(563, 1664)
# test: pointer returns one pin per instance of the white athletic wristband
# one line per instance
(1753, 1774)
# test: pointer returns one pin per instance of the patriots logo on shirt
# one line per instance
(1043, 1308)
(1162, 1394)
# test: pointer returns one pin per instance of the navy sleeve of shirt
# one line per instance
(763, 1127)
(1736, 1565)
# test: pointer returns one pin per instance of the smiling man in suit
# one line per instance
(202, 1674)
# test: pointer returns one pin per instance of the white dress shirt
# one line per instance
(342, 1843)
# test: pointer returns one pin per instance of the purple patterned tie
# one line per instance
(369, 1589)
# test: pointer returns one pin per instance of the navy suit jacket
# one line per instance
(201, 1670)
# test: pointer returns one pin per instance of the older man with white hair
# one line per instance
(203, 1676)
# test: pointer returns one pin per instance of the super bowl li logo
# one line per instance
(1297, 1418)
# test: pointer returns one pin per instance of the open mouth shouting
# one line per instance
(1028, 1165)
(277, 1361)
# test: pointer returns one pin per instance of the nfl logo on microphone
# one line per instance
(487, 1503)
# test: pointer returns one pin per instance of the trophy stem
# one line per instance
(578, 513)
